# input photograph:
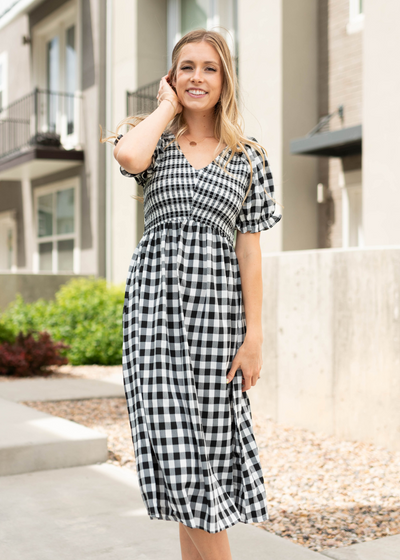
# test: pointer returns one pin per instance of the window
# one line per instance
(3, 81)
(194, 13)
(65, 83)
(55, 63)
(57, 239)
(8, 241)
(356, 16)
(70, 75)
(356, 8)
(352, 232)
(185, 15)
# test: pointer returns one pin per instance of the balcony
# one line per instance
(40, 134)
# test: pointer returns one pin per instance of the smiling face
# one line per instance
(199, 76)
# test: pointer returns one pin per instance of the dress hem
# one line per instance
(247, 521)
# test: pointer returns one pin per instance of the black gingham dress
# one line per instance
(183, 321)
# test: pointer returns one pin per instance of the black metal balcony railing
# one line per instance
(143, 100)
(42, 112)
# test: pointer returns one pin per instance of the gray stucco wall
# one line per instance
(93, 19)
(31, 286)
(331, 362)
(19, 69)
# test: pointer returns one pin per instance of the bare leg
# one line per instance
(210, 546)
(188, 549)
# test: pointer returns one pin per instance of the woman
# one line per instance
(192, 312)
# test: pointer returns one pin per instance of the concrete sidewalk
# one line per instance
(96, 510)
(387, 548)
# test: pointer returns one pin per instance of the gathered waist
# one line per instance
(190, 224)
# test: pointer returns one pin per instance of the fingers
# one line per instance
(162, 84)
(248, 381)
(165, 87)
(164, 81)
(250, 364)
(231, 374)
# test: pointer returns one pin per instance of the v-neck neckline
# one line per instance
(188, 162)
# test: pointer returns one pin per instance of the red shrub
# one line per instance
(28, 356)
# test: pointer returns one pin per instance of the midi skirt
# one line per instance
(183, 322)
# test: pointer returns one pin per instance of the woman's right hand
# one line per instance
(167, 92)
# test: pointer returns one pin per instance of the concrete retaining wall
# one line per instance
(331, 323)
(30, 286)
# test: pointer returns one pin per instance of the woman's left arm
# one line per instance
(249, 355)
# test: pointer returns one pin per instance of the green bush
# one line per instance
(7, 334)
(86, 315)
(21, 316)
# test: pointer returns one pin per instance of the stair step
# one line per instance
(57, 389)
(31, 441)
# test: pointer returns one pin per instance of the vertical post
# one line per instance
(236, 41)
(4, 135)
(36, 108)
(108, 149)
(28, 224)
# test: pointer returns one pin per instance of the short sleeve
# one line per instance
(144, 176)
(258, 211)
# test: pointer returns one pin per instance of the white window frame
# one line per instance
(74, 182)
(4, 64)
(351, 186)
(10, 217)
(56, 24)
(356, 18)
(174, 25)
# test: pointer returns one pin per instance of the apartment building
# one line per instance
(318, 89)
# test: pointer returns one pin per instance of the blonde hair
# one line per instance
(228, 124)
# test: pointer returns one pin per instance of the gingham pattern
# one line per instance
(183, 322)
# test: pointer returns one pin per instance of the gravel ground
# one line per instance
(322, 492)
